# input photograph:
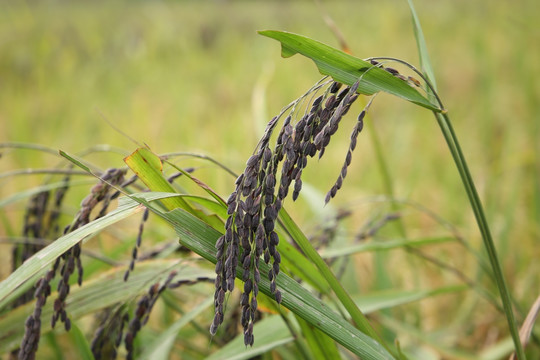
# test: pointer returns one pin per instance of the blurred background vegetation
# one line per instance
(194, 76)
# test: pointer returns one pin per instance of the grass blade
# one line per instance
(387, 299)
(321, 346)
(470, 188)
(382, 245)
(148, 167)
(81, 343)
(423, 54)
(453, 144)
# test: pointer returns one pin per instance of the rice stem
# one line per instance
(453, 144)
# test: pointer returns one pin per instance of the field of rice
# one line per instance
(100, 79)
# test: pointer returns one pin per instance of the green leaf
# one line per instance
(359, 319)
(296, 263)
(391, 298)
(347, 69)
(148, 167)
(84, 351)
(321, 346)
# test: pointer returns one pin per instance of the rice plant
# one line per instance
(234, 275)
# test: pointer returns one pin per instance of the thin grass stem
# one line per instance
(459, 159)
(453, 144)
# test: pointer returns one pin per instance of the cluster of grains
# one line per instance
(113, 320)
(108, 336)
(348, 158)
(33, 231)
(408, 79)
(142, 313)
(135, 251)
(254, 205)
(67, 263)
(29, 344)
(99, 194)
(40, 222)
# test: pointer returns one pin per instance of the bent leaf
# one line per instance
(148, 167)
(347, 69)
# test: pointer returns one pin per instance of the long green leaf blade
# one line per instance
(382, 245)
(356, 314)
(148, 167)
(346, 68)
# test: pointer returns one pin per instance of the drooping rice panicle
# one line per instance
(142, 313)
(254, 205)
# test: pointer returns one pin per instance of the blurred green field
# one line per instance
(195, 77)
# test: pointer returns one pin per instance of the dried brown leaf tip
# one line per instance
(250, 236)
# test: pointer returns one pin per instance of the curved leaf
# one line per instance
(346, 68)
